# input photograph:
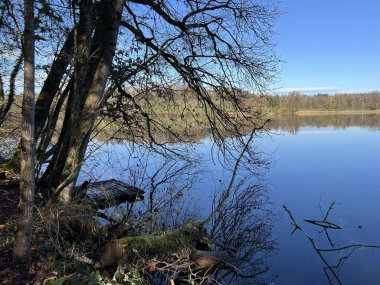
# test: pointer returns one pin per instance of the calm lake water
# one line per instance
(315, 161)
(316, 166)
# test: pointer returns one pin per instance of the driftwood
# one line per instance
(107, 193)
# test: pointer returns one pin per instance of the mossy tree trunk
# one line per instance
(174, 241)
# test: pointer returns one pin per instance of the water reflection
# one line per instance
(179, 190)
(245, 224)
(292, 123)
(339, 164)
(340, 161)
(309, 173)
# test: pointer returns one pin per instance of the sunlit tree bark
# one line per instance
(26, 204)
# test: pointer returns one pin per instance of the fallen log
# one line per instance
(108, 193)
(203, 262)
(174, 241)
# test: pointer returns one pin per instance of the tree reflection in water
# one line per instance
(324, 226)
(245, 224)
(241, 219)
(292, 123)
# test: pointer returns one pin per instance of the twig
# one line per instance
(329, 210)
(324, 224)
(327, 265)
(227, 192)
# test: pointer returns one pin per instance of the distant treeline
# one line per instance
(339, 102)
(291, 102)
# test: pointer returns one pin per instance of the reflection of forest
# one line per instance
(292, 123)
(287, 122)
(194, 132)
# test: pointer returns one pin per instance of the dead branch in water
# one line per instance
(331, 271)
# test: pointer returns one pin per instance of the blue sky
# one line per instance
(331, 45)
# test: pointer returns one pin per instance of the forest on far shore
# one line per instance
(296, 101)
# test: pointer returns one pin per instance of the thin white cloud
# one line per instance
(308, 89)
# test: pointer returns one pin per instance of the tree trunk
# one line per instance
(52, 84)
(5, 105)
(205, 262)
(174, 241)
(25, 208)
(84, 102)
(82, 45)
(42, 152)
(45, 98)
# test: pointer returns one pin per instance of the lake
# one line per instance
(315, 161)
(316, 166)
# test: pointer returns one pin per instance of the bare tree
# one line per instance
(213, 49)
(23, 238)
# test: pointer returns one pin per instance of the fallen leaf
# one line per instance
(152, 266)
